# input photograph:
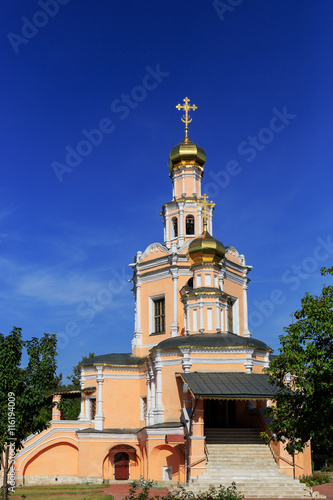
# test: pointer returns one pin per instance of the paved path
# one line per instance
(325, 489)
(119, 491)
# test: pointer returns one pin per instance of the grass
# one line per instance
(62, 492)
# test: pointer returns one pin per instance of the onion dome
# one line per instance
(205, 250)
(186, 153)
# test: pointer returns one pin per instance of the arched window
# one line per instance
(189, 224)
(174, 224)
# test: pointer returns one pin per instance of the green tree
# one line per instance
(24, 402)
(303, 375)
(70, 405)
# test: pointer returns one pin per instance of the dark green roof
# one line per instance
(164, 424)
(211, 341)
(115, 359)
(229, 385)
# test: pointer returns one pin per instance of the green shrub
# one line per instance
(214, 493)
(315, 479)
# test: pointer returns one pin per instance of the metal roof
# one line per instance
(114, 359)
(229, 385)
(212, 341)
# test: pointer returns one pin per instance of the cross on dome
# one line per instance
(205, 203)
(186, 117)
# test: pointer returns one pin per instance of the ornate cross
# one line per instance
(205, 203)
(186, 117)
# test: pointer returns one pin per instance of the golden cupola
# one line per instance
(205, 250)
(186, 153)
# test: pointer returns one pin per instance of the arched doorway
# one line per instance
(121, 465)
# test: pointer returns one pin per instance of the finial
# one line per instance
(204, 202)
(186, 118)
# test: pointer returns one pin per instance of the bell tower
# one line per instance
(182, 217)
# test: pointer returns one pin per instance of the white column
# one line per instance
(248, 363)
(181, 224)
(221, 279)
(159, 411)
(201, 329)
(148, 399)
(235, 313)
(247, 333)
(199, 221)
(167, 229)
(183, 181)
(82, 415)
(194, 184)
(218, 314)
(152, 394)
(187, 320)
(174, 325)
(138, 331)
(186, 361)
(99, 417)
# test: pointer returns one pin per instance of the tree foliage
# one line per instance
(24, 392)
(303, 374)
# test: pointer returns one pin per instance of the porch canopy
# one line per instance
(229, 385)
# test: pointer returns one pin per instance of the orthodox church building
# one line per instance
(193, 381)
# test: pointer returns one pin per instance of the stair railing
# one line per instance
(206, 452)
(197, 462)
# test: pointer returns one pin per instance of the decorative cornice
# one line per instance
(154, 247)
(235, 278)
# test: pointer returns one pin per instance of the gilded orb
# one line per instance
(186, 153)
(205, 250)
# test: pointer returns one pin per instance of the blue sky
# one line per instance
(260, 72)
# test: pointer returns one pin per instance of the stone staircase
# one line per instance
(240, 456)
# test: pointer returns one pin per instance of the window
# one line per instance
(209, 319)
(198, 280)
(230, 317)
(174, 225)
(216, 281)
(159, 315)
(189, 224)
(208, 279)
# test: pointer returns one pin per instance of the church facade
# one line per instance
(194, 370)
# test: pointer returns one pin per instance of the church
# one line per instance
(188, 402)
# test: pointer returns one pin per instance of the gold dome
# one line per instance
(186, 153)
(205, 250)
